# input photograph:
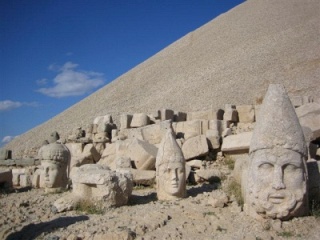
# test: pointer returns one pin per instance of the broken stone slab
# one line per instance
(82, 154)
(180, 117)
(246, 113)
(213, 139)
(205, 115)
(195, 163)
(6, 178)
(142, 153)
(35, 181)
(25, 180)
(98, 183)
(309, 118)
(139, 120)
(218, 199)
(143, 177)
(211, 175)
(166, 114)
(125, 121)
(237, 143)
(188, 129)
(195, 147)
(8, 162)
(123, 162)
(103, 119)
(5, 154)
(26, 162)
(230, 113)
(66, 203)
(108, 156)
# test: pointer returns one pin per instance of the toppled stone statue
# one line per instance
(276, 178)
(54, 159)
(96, 183)
(170, 169)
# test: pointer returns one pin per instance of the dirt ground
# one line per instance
(28, 214)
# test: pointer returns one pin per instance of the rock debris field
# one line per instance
(28, 214)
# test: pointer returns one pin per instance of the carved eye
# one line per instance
(266, 166)
(290, 167)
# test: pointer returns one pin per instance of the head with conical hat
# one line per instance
(277, 176)
(170, 167)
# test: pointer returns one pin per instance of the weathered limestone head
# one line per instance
(277, 176)
(170, 169)
(54, 159)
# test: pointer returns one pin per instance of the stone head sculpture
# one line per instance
(276, 175)
(170, 169)
(54, 159)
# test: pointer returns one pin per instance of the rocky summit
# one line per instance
(231, 59)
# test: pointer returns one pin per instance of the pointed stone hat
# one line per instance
(169, 150)
(277, 124)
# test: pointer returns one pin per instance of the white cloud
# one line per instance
(42, 81)
(8, 139)
(7, 105)
(72, 82)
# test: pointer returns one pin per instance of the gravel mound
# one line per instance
(231, 59)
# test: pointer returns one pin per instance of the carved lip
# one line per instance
(174, 184)
(276, 198)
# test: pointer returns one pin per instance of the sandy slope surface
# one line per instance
(231, 59)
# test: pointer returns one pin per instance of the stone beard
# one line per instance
(277, 183)
(172, 179)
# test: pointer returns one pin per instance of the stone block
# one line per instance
(230, 115)
(139, 120)
(246, 113)
(6, 178)
(108, 156)
(296, 101)
(5, 154)
(180, 117)
(35, 181)
(213, 139)
(308, 109)
(166, 114)
(218, 199)
(143, 177)
(125, 120)
(187, 129)
(98, 183)
(123, 162)
(209, 174)
(195, 147)
(142, 153)
(195, 163)
(204, 115)
(236, 143)
(25, 180)
(311, 127)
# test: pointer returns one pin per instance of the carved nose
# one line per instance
(174, 175)
(278, 179)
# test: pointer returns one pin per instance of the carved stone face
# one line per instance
(172, 178)
(53, 174)
(277, 182)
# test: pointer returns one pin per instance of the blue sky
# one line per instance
(55, 53)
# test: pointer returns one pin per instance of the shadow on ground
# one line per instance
(205, 187)
(145, 199)
(32, 231)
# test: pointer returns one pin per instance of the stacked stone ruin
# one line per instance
(131, 149)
